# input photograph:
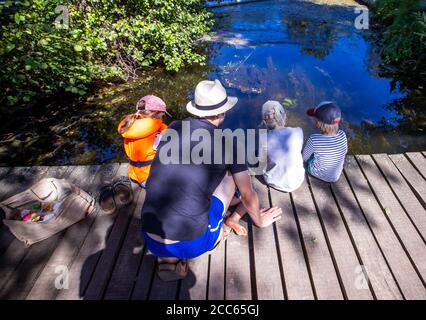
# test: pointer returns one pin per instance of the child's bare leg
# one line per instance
(233, 221)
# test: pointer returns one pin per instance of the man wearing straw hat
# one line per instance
(183, 212)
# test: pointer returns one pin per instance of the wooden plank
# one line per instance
(344, 253)
(21, 178)
(84, 264)
(409, 201)
(403, 271)
(125, 272)
(87, 178)
(11, 259)
(412, 241)
(101, 275)
(412, 176)
(374, 267)
(325, 279)
(194, 286)
(4, 171)
(419, 162)
(24, 276)
(161, 290)
(267, 269)
(217, 274)
(145, 277)
(296, 274)
(238, 273)
(16, 181)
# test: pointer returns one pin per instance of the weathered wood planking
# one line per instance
(4, 171)
(412, 241)
(404, 272)
(84, 263)
(296, 275)
(403, 191)
(87, 178)
(161, 290)
(344, 253)
(25, 275)
(125, 271)
(238, 271)
(374, 269)
(18, 179)
(325, 279)
(412, 176)
(105, 266)
(144, 277)
(194, 286)
(268, 277)
(217, 274)
(385, 256)
(419, 162)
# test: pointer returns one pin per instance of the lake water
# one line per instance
(297, 52)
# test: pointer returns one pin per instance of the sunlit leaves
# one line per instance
(105, 38)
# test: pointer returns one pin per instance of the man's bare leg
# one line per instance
(225, 192)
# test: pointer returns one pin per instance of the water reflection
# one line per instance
(307, 52)
(296, 52)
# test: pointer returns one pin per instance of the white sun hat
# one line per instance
(210, 99)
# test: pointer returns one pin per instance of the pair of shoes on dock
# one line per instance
(115, 195)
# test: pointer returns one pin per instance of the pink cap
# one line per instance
(152, 103)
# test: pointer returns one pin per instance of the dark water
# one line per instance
(296, 52)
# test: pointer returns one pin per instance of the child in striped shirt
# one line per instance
(325, 152)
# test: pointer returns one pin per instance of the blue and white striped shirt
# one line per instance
(328, 155)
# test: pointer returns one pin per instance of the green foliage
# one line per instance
(404, 38)
(105, 38)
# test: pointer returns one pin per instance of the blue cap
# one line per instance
(327, 112)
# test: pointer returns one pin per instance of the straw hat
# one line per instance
(210, 99)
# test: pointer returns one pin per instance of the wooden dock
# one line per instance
(360, 238)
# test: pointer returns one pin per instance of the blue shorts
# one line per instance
(192, 248)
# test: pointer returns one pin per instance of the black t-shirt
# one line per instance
(178, 194)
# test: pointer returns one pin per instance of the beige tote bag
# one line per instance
(75, 205)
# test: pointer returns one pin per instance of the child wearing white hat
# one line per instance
(281, 150)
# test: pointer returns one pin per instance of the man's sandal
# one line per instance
(167, 271)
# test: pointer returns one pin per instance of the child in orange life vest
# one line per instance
(141, 132)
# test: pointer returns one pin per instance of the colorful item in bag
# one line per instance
(47, 217)
(39, 212)
(35, 217)
(26, 215)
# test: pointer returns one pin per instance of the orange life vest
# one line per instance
(139, 145)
